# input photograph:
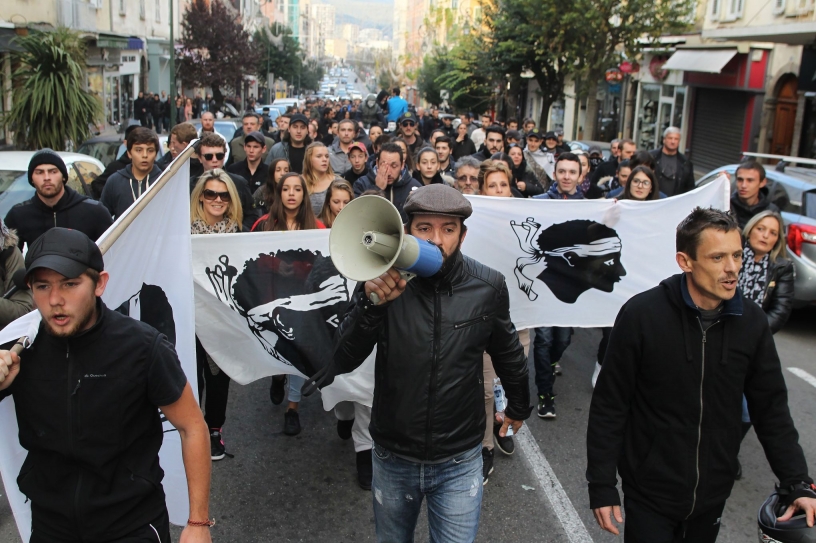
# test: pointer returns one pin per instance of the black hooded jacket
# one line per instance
(667, 408)
(743, 212)
(429, 391)
(32, 218)
(122, 189)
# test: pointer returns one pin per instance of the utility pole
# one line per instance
(172, 95)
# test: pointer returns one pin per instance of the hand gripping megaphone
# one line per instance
(367, 238)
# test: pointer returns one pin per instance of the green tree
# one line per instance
(434, 66)
(51, 109)
(279, 52)
(216, 50)
(311, 74)
(472, 76)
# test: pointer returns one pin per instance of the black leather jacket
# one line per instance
(778, 300)
(429, 392)
(683, 179)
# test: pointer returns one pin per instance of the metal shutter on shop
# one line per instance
(719, 119)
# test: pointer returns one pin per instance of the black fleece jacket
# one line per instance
(32, 218)
(743, 212)
(122, 189)
(666, 411)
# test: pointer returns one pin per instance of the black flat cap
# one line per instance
(438, 199)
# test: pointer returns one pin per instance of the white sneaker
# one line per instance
(596, 373)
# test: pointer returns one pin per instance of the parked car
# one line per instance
(108, 148)
(794, 193)
(225, 127)
(274, 112)
(14, 186)
(584, 146)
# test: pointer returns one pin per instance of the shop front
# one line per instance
(661, 102)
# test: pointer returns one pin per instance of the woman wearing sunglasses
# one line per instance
(290, 210)
(215, 208)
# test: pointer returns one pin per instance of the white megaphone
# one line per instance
(367, 238)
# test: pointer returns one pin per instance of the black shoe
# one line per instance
(276, 389)
(217, 449)
(344, 428)
(546, 406)
(738, 476)
(487, 464)
(505, 444)
(291, 423)
(364, 469)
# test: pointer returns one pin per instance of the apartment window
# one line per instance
(779, 7)
(158, 11)
(715, 10)
(735, 9)
(804, 6)
(122, 4)
(142, 9)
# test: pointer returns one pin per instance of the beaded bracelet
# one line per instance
(208, 523)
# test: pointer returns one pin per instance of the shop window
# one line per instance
(735, 9)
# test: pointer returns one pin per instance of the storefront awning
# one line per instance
(700, 60)
(109, 41)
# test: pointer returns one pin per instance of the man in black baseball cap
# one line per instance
(293, 143)
(438, 432)
(252, 168)
(91, 364)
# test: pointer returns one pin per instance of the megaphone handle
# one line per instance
(403, 274)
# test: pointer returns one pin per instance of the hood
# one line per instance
(70, 199)
(760, 206)
(554, 194)
(10, 238)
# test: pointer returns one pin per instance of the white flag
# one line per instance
(149, 266)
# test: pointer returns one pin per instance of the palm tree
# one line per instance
(51, 108)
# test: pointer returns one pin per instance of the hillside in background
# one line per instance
(375, 13)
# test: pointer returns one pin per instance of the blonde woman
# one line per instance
(215, 208)
(318, 174)
(338, 196)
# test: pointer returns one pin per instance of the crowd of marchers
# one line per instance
(683, 375)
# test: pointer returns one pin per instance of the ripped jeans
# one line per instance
(453, 490)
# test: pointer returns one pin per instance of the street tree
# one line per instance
(279, 52)
(51, 107)
(435, 65)
(471, 75)
(216, 51)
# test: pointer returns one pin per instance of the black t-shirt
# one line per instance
(710, 316)
(296, 155)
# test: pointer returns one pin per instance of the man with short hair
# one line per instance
(666, 410)
(252, 167)
(211, 156)
(251, 123)
(512, 124)
(207, 123)
(338, 150)
(89, 395)
(425, 425)
(443, 147)
(283, 126)
(54, 203)
(358, 157)
(447, 126)
(606, 170)
(180, 136)
(542, 163)
(674, 172)
(293, 143)
(551, 341)
(466, 175)
(479, 134)
(614, 149)
(493, 143)
(397, 106)
(127, 185)
(390, 176)
(512, 137)
(409, 132)
(751, 196)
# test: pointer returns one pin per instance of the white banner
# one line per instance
(149, 266)
(269, 303)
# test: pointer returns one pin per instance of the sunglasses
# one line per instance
(209, 156)
(408, 123)
(211, 195)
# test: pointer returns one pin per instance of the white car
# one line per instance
(14, 187)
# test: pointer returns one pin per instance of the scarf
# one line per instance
(225, 226)
(754, 275)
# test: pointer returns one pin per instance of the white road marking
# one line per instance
(560, 502)
(805, 376)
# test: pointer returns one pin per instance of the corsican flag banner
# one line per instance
(149, 266)
(269, 303)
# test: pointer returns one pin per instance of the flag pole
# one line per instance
(110, 237)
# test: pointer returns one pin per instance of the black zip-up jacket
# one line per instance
(667, 409)
(778, 300)
(428, 390)
(87, 411)
(32, 218)
(122, 189)
(683, 179)
(744, 213)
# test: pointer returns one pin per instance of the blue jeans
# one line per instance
(453, 489)
(295, 384)
(548, 347)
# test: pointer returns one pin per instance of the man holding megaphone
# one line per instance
(428, 416)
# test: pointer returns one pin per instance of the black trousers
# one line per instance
(645, 525)
(157, 531)
(213, 388)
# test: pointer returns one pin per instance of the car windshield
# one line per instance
(17, 191)
(105, 151)
(7, 177)
(225, 129)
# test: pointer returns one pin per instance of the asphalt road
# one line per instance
(286, 489)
